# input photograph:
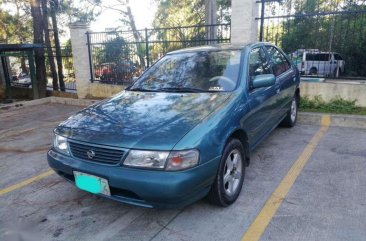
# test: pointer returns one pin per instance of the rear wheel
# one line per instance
(313, 71)
(291, 117)
(230, 176)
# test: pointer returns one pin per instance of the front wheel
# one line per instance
(291, 117)
(230, 176)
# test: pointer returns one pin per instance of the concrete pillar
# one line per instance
(244, 27)
(81, 57)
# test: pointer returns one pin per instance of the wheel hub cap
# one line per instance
(232, 172)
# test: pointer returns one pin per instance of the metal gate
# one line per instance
(323, 37)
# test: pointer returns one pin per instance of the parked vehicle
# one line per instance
(23, 80)
(104, 70)
(116, 73)
(184, 130)
(315, 62)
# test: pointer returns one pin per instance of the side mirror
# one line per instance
(263, 80)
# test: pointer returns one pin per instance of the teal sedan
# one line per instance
(184, 130)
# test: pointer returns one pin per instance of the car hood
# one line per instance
(142, 120)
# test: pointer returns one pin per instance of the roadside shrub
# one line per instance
(337, 105)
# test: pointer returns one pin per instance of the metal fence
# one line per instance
(115, 57)
(324, 37)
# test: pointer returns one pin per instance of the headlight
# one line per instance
(173, 161)
(147, 159)
(60, 144)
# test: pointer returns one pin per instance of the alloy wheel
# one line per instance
(232, 172)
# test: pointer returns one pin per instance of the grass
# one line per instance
(336, 106)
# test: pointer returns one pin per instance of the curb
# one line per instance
(49, 100)
(353, 121)
(305, 118)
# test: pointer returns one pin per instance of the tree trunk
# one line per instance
(136, 34)
(58, 48)
(23, 65)
(39, 52)
(48, 46)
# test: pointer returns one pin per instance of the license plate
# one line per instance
(91, 183)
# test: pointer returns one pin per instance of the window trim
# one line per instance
(283, 55)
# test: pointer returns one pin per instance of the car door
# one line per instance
(285, 81)
(261, 100)
(327, 64)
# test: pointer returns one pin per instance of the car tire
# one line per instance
(313, 71)
(230, 176)
(291, 117)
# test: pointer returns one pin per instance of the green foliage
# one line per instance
(112, 51)
(175, 13)
(179, 13)
(16, 20)
(171, 13)
(15, 25)
(336, 105)
(79, 11)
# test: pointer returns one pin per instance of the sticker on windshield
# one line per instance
(216, 88)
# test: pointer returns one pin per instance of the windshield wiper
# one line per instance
(182, 89)
(142, 89)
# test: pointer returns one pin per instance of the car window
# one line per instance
(203, 70)
(280, 63)
(337, 57)
(258, 63)
(317, 57)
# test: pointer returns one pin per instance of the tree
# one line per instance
(113, 51)
(188, 12)
(39, 52)
(54, 6)
(128, 20)
(16, 27)
(48, 45)
(179, 13)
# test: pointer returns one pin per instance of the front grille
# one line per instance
(102, 154)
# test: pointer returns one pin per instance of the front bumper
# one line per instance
(148, 188)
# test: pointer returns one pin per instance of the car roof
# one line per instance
(216, 47)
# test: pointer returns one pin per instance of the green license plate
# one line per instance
(91, 183)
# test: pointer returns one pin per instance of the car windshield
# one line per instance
(203, 71)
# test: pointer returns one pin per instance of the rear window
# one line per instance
(317, 57)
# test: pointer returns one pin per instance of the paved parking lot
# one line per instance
(327, 201)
